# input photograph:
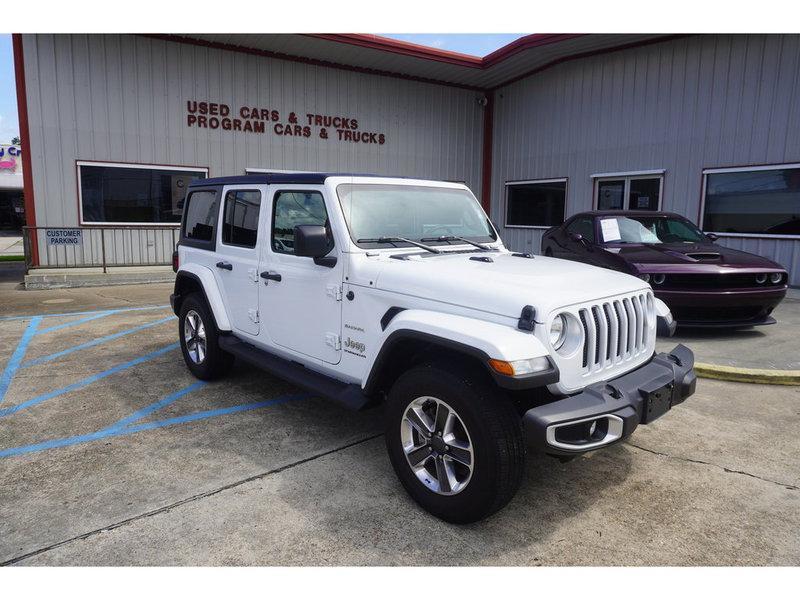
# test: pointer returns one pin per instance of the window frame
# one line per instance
(565, 180)
(127, 165)
(628, 176)
(741, 169)
(224, 200)
(321, 192)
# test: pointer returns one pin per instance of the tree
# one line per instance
(15, 141)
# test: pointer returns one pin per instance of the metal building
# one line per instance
(703, 125)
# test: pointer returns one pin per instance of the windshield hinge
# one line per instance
(335, 292)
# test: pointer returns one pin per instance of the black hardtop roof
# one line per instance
(292, 178)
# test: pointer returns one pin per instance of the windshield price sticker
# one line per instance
(610, 229)
(64, 237)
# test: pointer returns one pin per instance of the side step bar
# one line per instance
(347, 395)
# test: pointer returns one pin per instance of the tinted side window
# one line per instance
(583, 226)
(201, 214)
(240, 219)
(295, 208)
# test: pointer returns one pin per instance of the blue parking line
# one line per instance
(85, 312)
(151, 408)
(16, 358)
(84, 382)
(95, 342)
(93, 317)
(106, 433)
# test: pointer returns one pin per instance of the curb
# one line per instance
(745, 375)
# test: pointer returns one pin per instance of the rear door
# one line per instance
(300, 300)
(236, 268)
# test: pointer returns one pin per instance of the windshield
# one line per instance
(374, 211)
(649, 230)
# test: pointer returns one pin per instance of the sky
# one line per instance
(466, 43)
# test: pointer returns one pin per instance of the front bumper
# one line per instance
(722, 307)
(615, 407)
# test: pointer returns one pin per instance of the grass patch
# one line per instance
(11, 258)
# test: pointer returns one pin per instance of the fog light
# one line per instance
(761, 278)
(775, 277)
(659, 279)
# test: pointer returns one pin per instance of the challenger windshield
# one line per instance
(649, 230)
(419, 213)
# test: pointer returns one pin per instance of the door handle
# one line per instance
(272, 276)
(225, 265)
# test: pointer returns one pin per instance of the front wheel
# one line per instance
(455, 442)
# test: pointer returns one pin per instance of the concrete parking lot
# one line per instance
(112, 454)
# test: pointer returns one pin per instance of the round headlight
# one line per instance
(775, 277)
(659, 278)
(558, 331)
(645, 276)
(761, 278)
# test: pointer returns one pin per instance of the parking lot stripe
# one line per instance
(95, 342)
(16, 358)
(105, 433)
(89, 380)
(93, 317)
(140, 414)
(84, 312)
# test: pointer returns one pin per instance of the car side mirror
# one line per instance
(578, 238)
(712, 236)
(312, 241)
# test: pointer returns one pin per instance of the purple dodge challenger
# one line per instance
(703, 284)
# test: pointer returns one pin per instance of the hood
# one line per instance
(504, 285)
(692, 256)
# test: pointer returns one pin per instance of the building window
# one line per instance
(536, 203)
(295, 208)
(133, 194)
(201, 216)
(628, 191)
(763, 201)
(240, 222)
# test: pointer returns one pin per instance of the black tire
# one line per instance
(495, 432)
(215, 362)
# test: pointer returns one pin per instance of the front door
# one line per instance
(300, 301)
(236, 268)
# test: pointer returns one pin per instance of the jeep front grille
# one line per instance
(616, 330)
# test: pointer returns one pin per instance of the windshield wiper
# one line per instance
(456, 238)
(391, 240)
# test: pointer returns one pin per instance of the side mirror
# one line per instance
(312, 241)
(712, 236)
(578, 238)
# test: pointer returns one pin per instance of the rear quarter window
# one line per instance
(200, 218)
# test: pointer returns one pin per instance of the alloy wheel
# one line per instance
(437, 445)
(194, 336)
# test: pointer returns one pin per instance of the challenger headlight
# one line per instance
(761, 278)
(645, 277)
(775, 277)
(558, 331)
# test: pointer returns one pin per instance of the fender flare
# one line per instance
(469, 336)
(208, 284)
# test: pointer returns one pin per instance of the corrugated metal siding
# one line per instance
(683, 105)
(123, 98)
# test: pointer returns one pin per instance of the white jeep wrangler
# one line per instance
(369, 289)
